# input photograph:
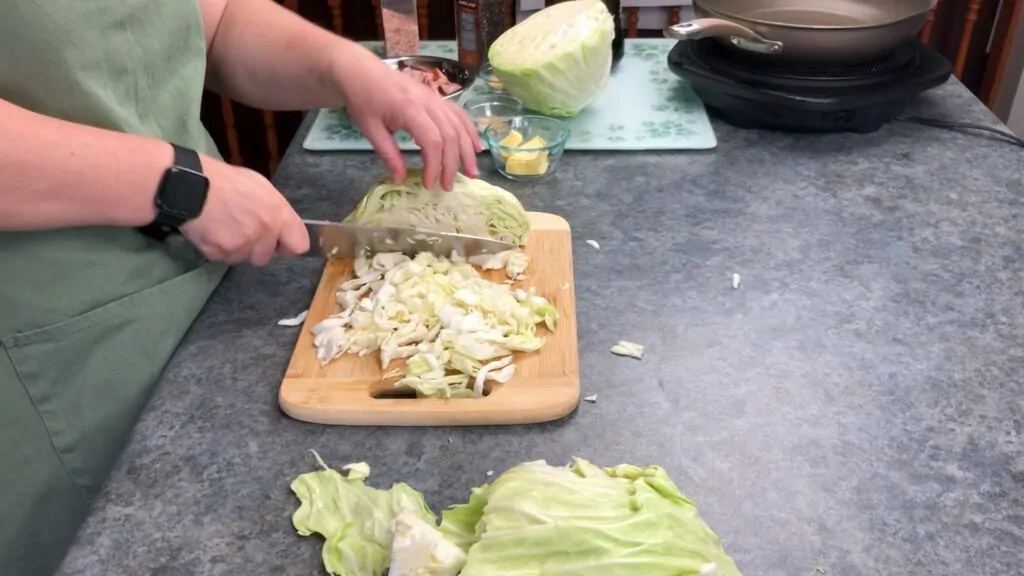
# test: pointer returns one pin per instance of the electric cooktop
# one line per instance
(753, 91)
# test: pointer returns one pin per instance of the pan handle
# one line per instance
(740, 36)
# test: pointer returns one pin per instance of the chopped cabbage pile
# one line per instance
(456, 328)
(473, 207)
(558, 60)
(535, 518)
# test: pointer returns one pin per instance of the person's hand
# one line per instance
(245, 219)
(382, 101)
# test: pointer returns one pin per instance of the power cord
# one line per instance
(952, 125)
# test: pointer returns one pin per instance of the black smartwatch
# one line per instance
(180, 196)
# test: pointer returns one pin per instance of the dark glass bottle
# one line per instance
(619, 41)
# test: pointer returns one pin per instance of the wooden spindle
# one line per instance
(632, 21)
(378, 18)
(227, 110)
(965, 39)
(424, 20)
(335, 6)
(273, 154)
(926, 31)
(674, 15)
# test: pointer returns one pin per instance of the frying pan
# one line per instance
(832, 32)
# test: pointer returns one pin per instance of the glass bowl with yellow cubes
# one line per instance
(526, 147)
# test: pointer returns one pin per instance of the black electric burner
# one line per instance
(749, 90)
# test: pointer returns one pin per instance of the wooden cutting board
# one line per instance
(349, 390)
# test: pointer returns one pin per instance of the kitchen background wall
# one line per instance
(976, 35)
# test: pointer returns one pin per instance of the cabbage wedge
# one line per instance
(473, 207)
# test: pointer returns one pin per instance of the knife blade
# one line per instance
(336, 240)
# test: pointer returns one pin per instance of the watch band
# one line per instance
(187, 158)
(165, 224)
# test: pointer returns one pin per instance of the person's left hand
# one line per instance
(382, 101)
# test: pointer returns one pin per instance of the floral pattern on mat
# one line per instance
(644, 107)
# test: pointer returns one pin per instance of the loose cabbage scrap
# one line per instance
(455, 328)
(514, 262)
(419, 549)
(627, 348)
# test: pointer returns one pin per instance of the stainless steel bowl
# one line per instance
(454, 70)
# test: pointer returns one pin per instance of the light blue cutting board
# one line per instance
(644, 107)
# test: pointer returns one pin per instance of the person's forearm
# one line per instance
(57, 174)
(265, 56)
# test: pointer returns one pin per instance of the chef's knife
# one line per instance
(337, 240)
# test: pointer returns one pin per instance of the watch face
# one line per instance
(183, 193)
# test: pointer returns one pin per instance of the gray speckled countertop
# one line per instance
(857, 404)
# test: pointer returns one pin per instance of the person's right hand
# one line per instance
(245, 219)
(382, 101)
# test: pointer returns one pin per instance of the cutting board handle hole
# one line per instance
(386, 391)
(394, 394)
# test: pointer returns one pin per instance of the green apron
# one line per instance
(89, 317)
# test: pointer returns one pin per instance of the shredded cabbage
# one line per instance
(456, 329)
(473, 207)
(558, 60)
(513, 261)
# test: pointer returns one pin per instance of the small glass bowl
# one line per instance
(492, 108)
(486, 73)
(522, 161)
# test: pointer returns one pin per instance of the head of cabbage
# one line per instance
(558, 60)
(473, 207)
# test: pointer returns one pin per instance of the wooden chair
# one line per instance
(970, 23)
(278, 128)
(632, 12)
(977, 38)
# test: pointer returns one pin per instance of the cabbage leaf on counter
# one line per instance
(356, 521)
(535, 518)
